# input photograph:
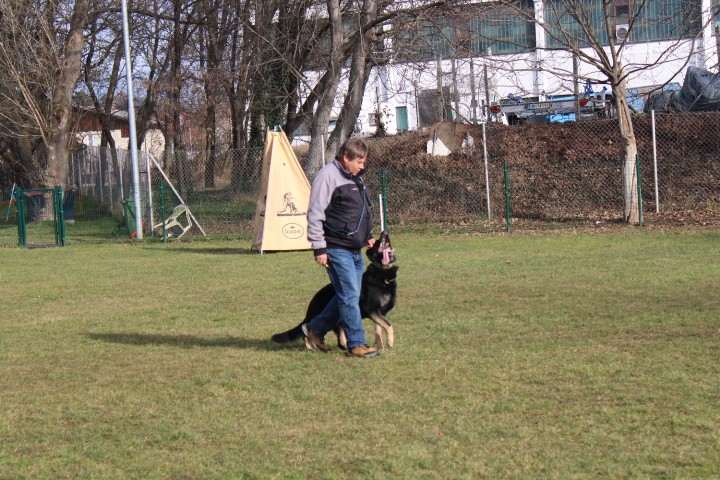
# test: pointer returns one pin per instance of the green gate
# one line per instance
(38, 225)
(401, 116)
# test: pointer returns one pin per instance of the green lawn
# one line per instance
(521, 356)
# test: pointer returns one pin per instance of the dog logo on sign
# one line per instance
(289, 207)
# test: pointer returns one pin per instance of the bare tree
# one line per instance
(597, 35)
(215, 30)
(236, 83)
(103, 47)
(319, 129)
(151, 42)
(40, 58)
(182, 28)
(355, 28)
(358, 74)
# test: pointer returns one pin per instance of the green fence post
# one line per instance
(22, 227)
(59, 210)
(383, 182)
(639, 186)
(506, 168)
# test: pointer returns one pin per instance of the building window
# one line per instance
(650, 20)
(567, 23)
(425, 41)
(667, 20)
(500, 30)
(478, 30)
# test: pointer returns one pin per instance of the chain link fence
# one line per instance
(558, 176)
(572, 174)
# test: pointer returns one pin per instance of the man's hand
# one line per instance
(370, 243)
(322, 260)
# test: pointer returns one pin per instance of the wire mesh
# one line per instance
(559, 175)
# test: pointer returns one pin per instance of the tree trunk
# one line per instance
(156, 70)
(358, 77)
(211, 95)
(217, 32)
(237, 90)
(631, 213)
(61, 119)
(104, 111)
(175, 129)
(319, 128)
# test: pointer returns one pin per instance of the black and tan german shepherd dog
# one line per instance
(378, 294)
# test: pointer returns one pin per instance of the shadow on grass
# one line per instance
(216, 251)
(186, 341)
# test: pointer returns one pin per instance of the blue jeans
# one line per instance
(345, 271)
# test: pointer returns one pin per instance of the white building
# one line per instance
(452, 67)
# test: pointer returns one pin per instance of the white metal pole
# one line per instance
(382, 220)
(654, 142)
(149, 186)
(131, 122)
(487, 174)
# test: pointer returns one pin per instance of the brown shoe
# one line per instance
(314, 340)
(362, 351)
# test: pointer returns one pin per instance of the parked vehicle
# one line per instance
(516, 110)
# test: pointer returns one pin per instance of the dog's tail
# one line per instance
(289, 336)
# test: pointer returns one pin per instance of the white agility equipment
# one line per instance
(182, 202)
(180, 217)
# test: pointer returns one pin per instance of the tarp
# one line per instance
(281, 211)
(700, 93)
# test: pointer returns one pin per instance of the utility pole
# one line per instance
(455, 99)
(717, 44)
(487, 92)
(440, 103)
(131, 122)
(576, 86)
(473, 100)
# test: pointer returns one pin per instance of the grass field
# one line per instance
(525, 356)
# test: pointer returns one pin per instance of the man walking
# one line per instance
(339, 225)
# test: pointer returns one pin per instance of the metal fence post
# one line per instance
(59, 210)
(639, 189)
(487, 172)
(22, 226)
(151, 218)
(383, 183)
(162, 209)
(655, 165)
(506, 168)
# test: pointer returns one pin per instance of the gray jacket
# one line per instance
(339, 213)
